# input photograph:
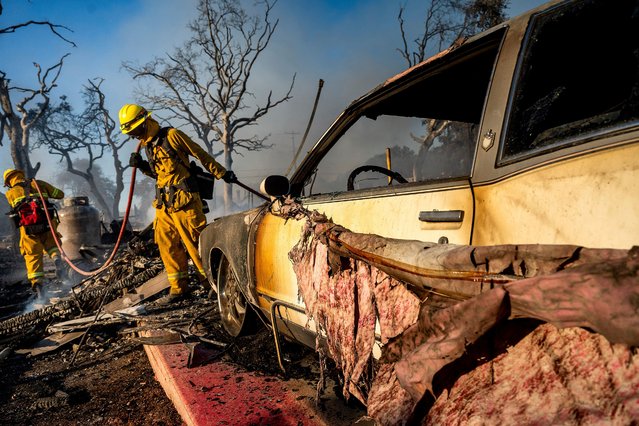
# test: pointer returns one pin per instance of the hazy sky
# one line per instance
(351, 44)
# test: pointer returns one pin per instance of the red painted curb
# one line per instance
(220, 393)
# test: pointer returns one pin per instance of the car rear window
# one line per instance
(578, 78)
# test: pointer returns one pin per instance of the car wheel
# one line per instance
(238, 318)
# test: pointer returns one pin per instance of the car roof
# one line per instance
(424, 66)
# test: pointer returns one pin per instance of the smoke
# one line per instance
(52, 291)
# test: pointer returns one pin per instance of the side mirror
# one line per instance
(275, 186)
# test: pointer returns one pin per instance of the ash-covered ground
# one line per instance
(105, 378)
(111, 381)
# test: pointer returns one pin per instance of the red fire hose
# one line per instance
(117, 243)
(122, 229)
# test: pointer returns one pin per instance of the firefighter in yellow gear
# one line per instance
(35, 239)
(179, 215)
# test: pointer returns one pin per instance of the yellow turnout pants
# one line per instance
(177, 235)
(32, 248)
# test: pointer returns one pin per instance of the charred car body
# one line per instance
(533, 138)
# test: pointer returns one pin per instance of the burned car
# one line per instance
(527, 133)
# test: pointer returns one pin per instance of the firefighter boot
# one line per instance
(174, 296)
(61, 269)
(38, 288)
(169, 299)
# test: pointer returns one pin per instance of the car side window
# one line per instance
(416, 151)
(428, 124)
(578, 78)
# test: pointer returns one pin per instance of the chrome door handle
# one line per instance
(438, 216)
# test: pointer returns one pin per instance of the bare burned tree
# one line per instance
(106, 130)
(66, 135)
(54, 28)
(446, 23)
(90, 134)
(77, 185)
(206, 82)
(18, 121)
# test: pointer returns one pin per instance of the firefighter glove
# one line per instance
(137, 161)
(229, 177)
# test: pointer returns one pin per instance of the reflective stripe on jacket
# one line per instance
(16, 194)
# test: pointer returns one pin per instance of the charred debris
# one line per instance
(117, 308)
(116, 303)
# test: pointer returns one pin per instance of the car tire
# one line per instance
(238, 317)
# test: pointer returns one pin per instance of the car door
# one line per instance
(422, 124)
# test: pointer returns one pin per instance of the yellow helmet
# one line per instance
(9, 173)
(131, 116)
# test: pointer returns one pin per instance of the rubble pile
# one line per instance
(474, 322)
(81, 358)
(118, 304)
(82, 302)
(131, 268)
